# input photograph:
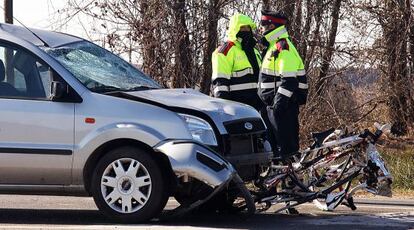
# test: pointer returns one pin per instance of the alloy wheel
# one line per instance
(126, 185)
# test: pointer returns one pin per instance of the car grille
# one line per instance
(244, 146)
(241, 127)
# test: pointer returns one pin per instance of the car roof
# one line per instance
(52, 39)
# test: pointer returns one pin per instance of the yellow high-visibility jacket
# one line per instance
(233, 77)
(282, 74)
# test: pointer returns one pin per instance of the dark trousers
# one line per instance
(270, 129)
(283, 129)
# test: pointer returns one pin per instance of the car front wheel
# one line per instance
(128, 185)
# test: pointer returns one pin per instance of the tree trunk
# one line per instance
(147, 41)
(183, 66)
(395, 37)
(288, 8)
(297, 25)
(303, 46)
(410, 73)
(327, 55)
(212, 36)
(316, 39)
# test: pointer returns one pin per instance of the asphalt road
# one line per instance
(45, 212)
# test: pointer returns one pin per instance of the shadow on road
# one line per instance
(93, 217)
(213, 220)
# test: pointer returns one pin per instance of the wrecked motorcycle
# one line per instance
(324, 173)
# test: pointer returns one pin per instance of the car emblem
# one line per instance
(248, 126)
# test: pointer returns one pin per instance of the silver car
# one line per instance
(78, 120)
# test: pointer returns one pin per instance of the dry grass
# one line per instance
(400, 194)
(400, 161)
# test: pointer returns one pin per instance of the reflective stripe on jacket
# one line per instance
(282, 72)
(232, 71)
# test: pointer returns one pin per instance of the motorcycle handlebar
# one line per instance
(380, 129)
(373, 136)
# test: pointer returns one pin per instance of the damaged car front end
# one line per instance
(229, 148)
(191, 161)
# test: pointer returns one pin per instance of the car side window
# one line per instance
(19, 81)
(45, 76)
(23, 75)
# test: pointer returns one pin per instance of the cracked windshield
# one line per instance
(99, 70)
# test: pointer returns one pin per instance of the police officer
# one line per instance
(236, 64)
(282, 83)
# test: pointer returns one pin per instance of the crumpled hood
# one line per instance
(218, 110)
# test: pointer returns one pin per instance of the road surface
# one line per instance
(45, 212)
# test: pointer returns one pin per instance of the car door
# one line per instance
(36, 133)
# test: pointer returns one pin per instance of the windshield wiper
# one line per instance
(141, 87)
(110, 89)
(105, 89)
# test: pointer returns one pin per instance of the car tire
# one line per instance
(128, 185)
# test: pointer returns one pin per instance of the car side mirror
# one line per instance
(58, 90)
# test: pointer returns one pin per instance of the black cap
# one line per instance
(272, 17)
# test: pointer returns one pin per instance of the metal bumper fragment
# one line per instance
(189, 158)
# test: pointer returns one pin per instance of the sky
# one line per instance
(40, 14)
(34, 13)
